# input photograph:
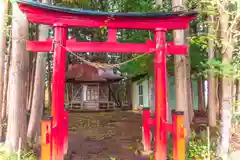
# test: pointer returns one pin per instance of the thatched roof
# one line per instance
(88, 73)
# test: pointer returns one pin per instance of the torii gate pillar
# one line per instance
(58, 84)
(160, 94)
(162, 127)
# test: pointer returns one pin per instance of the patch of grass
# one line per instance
(14, 156)
(25, 155)
(198, 146)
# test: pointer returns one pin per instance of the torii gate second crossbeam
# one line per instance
(54, 131)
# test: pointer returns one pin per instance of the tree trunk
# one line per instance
(150, 94)
(17, 122)
(226, 110)
(180, 72)
(181, 78)
(39, 88)
(226, 116)
(5, 89)
(31, 78)
(150, 86)
(129, 94)
(6, 78)
(219, 96)
(169, 111)
(49, 82)
(32, 68)
(181, 88)
(3, 19)
(189, 81)
(212, 121)
(201, 99)
(237, 96)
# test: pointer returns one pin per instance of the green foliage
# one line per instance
(144, 64)
(140, 66)
(138, 5)
(236, 118)
(218, 68)
(198, 147)
(72, 3)
(200, 64)
(27, 154)
(198, 54)
(30, 155)
(14, 156)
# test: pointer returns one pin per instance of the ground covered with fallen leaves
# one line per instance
(105, 136)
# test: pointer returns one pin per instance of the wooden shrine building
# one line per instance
(88, 87)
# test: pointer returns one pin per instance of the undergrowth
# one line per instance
(199, 149)
(198, 146)
(29, 154)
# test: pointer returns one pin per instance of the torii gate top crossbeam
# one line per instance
(48, 14)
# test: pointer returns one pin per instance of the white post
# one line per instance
(84, 93)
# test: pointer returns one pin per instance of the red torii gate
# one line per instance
(55, 131)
